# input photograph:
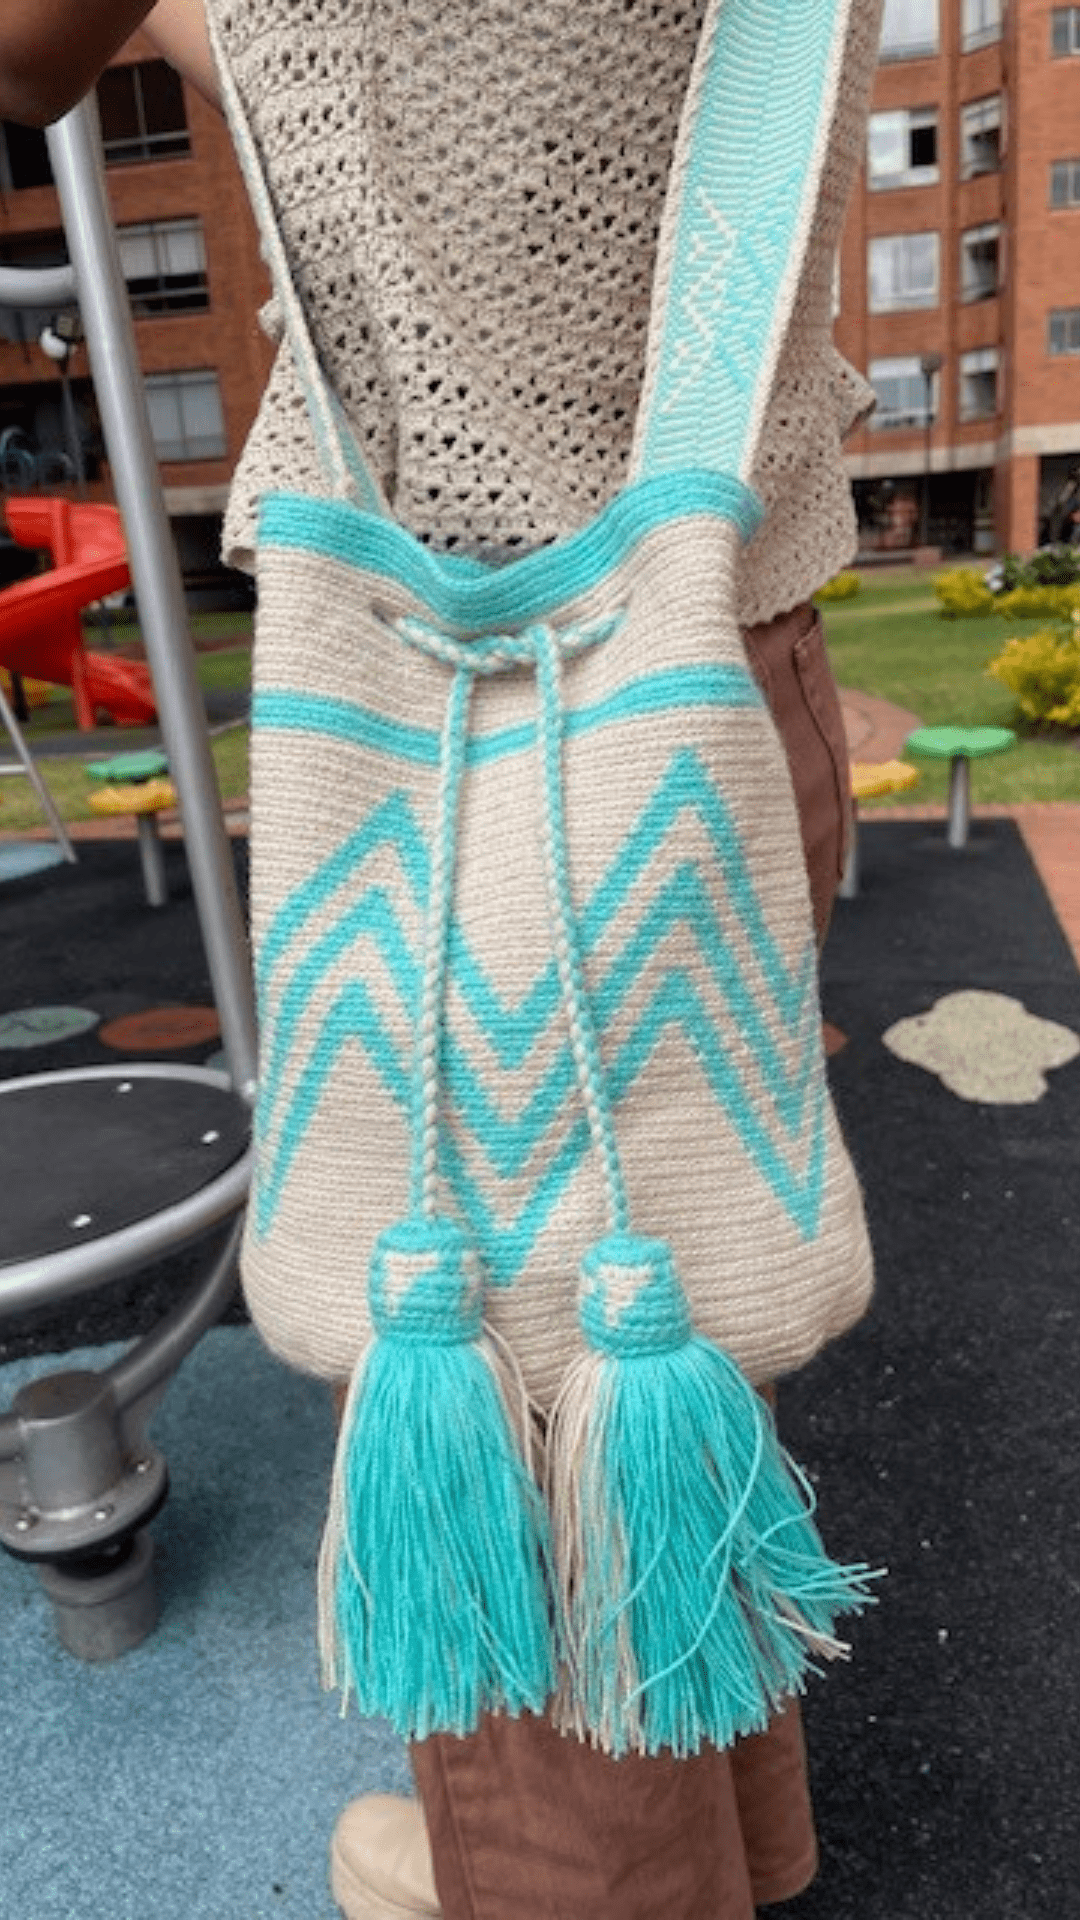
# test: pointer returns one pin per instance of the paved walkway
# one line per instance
(876, 730)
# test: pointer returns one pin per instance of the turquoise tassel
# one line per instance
(434, 1574)
(696, 1587)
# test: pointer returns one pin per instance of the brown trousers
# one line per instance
(527, 1825)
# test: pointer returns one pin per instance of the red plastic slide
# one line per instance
(40, 630)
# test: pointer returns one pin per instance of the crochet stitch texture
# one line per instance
(469, 197)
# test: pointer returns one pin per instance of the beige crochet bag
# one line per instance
(537, 975)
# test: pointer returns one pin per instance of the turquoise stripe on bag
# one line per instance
(464, 596)
(280, 709)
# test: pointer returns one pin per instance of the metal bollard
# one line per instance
(104, 1607)
(84, 1492)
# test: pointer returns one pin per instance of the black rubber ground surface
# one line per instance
(947, 1427)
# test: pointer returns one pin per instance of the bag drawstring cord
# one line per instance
(544, 649)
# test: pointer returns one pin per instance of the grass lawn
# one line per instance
(208, 629)
(890, 640)
(71, 786)
(221, 667)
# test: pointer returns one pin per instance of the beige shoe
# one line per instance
(380, 1861)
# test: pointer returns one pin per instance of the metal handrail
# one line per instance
(37, 286)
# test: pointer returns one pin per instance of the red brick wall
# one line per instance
(1041, 261)
(1044, 242)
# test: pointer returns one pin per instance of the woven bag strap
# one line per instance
(740, 204)
(742, 194)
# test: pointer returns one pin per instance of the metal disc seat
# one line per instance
(140, 1160)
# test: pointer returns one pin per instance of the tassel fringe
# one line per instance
(434, 1573)
(696, 1589)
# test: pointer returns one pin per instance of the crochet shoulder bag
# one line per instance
(545, 1155)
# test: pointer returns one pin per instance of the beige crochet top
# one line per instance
(469, 192)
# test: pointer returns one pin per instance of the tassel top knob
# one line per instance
(631, 1298)
(426, 1284)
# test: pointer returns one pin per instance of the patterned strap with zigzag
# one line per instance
(743, 190)
(741, 201)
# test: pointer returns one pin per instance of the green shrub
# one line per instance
(1048, 567)
(1031, 602)
(963, 593)
(1051, 567)
(1010, 572)
(842, 586)
(1043, 671)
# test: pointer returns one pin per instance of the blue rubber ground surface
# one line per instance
(198, 1778)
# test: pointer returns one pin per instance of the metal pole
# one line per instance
(71, 431)
(959, 800)
(849, 879)
(78, 166)
(924, 516)
(152, 859)
(929, 365)
(45, 799)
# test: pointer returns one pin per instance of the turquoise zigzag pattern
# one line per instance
(288, 982)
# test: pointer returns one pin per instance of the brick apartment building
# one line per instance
(959, 279)
(192, 264)
(958, 283)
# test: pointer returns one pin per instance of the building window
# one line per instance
(978, 383)
(980, 262)
(164, 264)
(909, 30)
(902, 148)
(905, 398)
(980, 136)
(1065, 330)
(1065, 183)
(24, 158)
(186, 416)
(980, 24)
(142, 113)
(903, 271)
(1064, 31)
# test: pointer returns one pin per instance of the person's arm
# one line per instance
(178, 30)
(51, 51)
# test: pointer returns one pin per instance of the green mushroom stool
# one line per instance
(959, 746)
(138, 784)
